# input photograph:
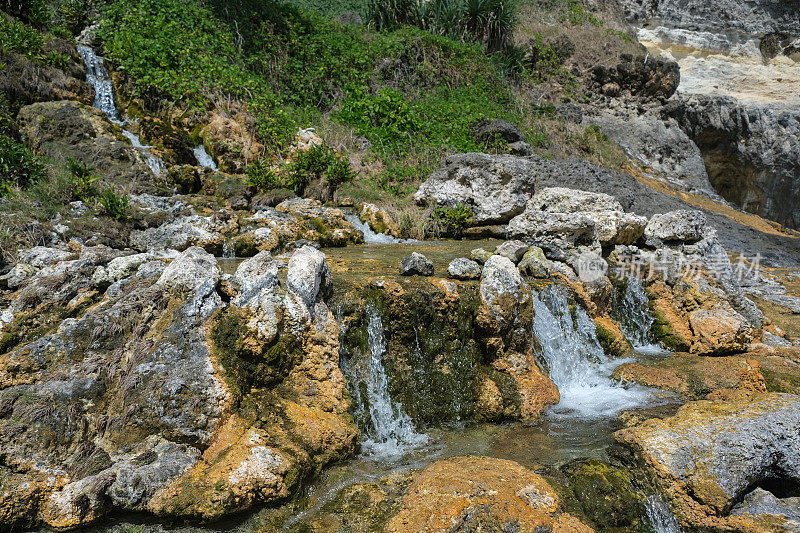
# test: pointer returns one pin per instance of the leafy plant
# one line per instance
(262, 176)
(82, 180)
(317, 162)
(114, 205)
(386, 118)
(18, 165)
(450, 220)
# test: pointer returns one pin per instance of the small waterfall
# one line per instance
(97, 76)
(228, 250)
(632, 311)
(370, 237)
(388, 430)
(204, 159)
(660, 516)
(575, 359)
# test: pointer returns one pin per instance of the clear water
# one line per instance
(204, 159)
(660, 516)
(370, 237)
(388, 431)
(576, 362)
(632, 311)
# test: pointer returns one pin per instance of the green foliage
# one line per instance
(262, 176)
(450, 220)
(16, 36)
(488, 22)
(386, 118)
(18, 165)
(544, 60)
(577, 14)
(317, 162)
(114, 205)
(82, 180)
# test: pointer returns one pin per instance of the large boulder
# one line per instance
(463, 268)
(309, 276)
(416, 264)
(378, 219)
(562, 236)
(676, 226)
(483, 493)
(495, 187)
(712, 454)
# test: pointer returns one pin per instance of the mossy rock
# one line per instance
(663, 332)
(605, 494)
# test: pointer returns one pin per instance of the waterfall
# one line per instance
(370, 237)
(97, 76)
(204, 159)
(578, 366)
(660, 516)
(632, 311)
(388, 431)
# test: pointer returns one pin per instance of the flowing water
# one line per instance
(632, 312)
(660, 516)
(204, 159)
(569, 348)
(97, 76)
(388, 432)
(370, 237)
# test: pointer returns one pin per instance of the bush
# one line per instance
(385, 118)
(114, 205)
(262, 176)
(18, 37)
(82, 180)
(450, 220)
(18, 165)
(315, 163)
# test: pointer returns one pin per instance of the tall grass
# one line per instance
(488, 22)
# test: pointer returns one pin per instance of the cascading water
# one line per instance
(632, 311)
(370, 237)
(97, 76)
(578, 366)
(388, 431)
(204, 159)
(660, 516)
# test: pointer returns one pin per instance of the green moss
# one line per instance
(780, 382)
(662, 331)
(248, 363)
(29, 326)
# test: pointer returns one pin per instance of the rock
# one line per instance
(720, 330)
(520, 148)
(378, 220)
(18, 274)
(762, 502)
(490, 130)
(614, 226)
(661, 145)
(639, 77)
(495, 187)
(193, 268)
(463, 268)
(560, 235)
(675, 226)
(481, 493)
(416, 264)
(710, 455)
(254, 275)
(119, 268)
(41, 256)
(229, 139)
(69, 129)
(513, 250)
(534, 263)
(480, 256)
(500, 283)
(182, 233)
(309, 276)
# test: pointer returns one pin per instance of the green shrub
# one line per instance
(114, 205)
(317, 162)
(262, 176)
(18, 165)
(82, 180)
(450, 220)
(385, 118)
(16, 36)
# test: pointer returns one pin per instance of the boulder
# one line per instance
(489, 130)
(182, 233)
(561, 235)
(500, 284)
(712, 454)
(513, 250)
(463, 269)
(480, 256)
(416, 264)
(498, 494)
(192, 269)
(309, 276)
(675, 226)
(495, 187)
(378, 220)
(534, 263)
(720, 330)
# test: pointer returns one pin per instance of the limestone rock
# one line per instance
(180, 234)
(378, 219)
(560, 235)
(534, 263)
(497, 493)
(480, 256)
(513, 250)
(676, 226)
(193, 268)
(309, 276)
(416, 264)
(463, 268)
(711, 454)
(720, 330)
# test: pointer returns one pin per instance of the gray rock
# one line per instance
(180, 234)
(308, 275)
(534, 263)
(193, 268)
(463, 268)
(255, 274)
(416, 264)
(514, 250)
(560, 235)
(488, 130)
(42, 256)
(676, 226)
(520, 148)
(762, 502)
(558, 267)
(119, 268)
(500, 278)
(480, 256)
(18, 274)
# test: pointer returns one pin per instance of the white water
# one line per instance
(97, 76)
(576, 361)
(389, 432)
(370, 237)
(660, 516)
(204, 159)
(632, 308)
